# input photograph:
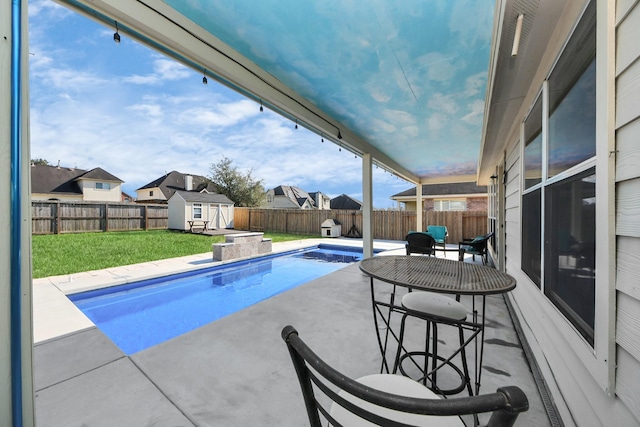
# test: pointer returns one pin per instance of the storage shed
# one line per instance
(214, 210)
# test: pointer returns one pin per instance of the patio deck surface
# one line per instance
(235, 371)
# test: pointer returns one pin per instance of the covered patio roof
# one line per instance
(402, 81)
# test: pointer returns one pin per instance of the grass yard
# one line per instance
(59, 254)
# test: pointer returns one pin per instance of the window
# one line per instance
(559, 203)
(533, 146)
(151, 193)
(197, 211)
(449, 205)
(103, 186)
(570, 242)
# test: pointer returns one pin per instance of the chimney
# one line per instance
(188, 182)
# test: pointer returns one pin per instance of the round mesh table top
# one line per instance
(437, 274)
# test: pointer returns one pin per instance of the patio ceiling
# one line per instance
(403, 81)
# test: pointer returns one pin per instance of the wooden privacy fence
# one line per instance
(56, 217)
(387, 224)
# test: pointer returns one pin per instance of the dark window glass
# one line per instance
(531, 235)
(572, 99)
(570, 224)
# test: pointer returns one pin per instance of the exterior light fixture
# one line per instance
(116, 36)
(261, 109)
(516, 37)
(204, 77)
(296, 123)
(339, 134)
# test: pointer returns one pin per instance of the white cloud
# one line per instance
(447, 104)
(164, 70)
(220, 115)
(476, 112)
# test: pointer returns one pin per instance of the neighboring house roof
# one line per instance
(204, 197)
(297, 195)
(47, 179)
(346, 202)
(314, 195)
(174, 180)
(99, 174)
(445, 189)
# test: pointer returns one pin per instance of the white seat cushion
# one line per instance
(395, 384)
(434, 304)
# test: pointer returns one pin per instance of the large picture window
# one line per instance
(559, 206)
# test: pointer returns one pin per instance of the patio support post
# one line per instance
(367, 207)
(419, 207)
(16, 387)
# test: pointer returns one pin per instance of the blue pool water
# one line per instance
(142, 314)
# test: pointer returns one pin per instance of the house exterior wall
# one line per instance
(149, 194)
(581, 378)
(627, 202)
(477, 204)
(472, 203)
(61, 197)
(92, 194)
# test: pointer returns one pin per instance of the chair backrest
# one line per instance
(480, 242)
(420, 243)
(322, 386)
(439, 232)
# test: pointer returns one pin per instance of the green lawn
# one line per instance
(58, 254)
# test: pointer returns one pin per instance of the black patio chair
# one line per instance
(387, 399)
(475, 246)
(420, 243)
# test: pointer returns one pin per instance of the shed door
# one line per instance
(224, 216)
(214, 215)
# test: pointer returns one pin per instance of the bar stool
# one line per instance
(434, 308)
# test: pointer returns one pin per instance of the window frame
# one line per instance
(196, 207)
(599, 359)
(103, 186)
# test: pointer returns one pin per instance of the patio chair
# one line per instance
(387, 399)
(475, 246)
(439, 234)
(420, 243)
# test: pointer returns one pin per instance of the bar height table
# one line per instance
(432, 274)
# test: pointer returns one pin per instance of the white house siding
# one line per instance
(177, 213)
(577, 393)
(49, 196)
(628, 204)
(91, 194)
(145, 194)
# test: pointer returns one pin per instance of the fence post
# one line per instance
(145, 218)
(57, 218)
(106, 217)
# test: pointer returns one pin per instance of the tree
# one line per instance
(42, 162)
(243, 190)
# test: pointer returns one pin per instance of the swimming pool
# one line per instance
(142, 314)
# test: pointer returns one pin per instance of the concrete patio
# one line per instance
(235, 371)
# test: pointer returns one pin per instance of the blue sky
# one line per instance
(137, 114)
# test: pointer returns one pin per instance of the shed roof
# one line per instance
(195, 196)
